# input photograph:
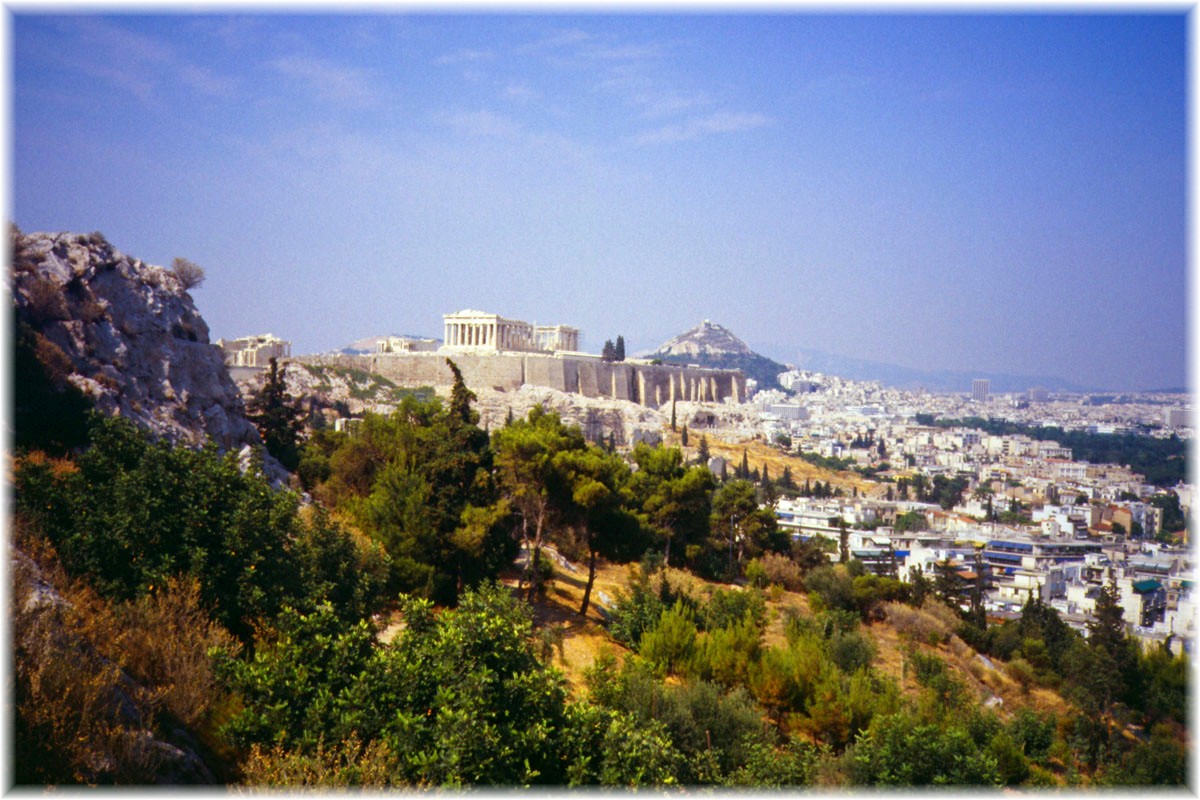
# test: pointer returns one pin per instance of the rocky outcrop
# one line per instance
(707, 338)
(598, 417)
(714, 346)
(331, 391)
(128, 335)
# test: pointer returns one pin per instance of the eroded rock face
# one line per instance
(129, 336)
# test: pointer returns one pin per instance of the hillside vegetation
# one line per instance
(234, 637)
(431, 604)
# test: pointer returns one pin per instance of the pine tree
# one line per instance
(702, 454)
(619, 349)
(609, 352)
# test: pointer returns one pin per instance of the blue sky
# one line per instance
(992, 192)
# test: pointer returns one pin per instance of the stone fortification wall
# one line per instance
(649, 385)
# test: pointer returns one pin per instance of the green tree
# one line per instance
(599, 486)
(278, 418)
(530, 479)
(609, 352)
(675, 500)
(739, 527)
(671, 644)
(419, 481)
(619, 349)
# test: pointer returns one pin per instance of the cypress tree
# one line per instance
(744, 472)
(702, 454)
(278, 418)
(683, 436)
(619, 349)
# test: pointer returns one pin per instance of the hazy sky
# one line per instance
(1001, 192)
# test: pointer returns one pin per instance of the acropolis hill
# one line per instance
(494, 352)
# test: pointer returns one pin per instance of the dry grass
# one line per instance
(94, 679)
(759, 454)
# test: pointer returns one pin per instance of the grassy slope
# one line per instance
(586, 638)
(759, 453)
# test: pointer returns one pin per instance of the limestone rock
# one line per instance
(130, 336)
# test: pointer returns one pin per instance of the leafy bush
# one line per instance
(793, 764)
(850, 651)
(133, 515)
(897, 750)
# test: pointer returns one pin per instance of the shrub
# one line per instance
(46, 302)
(917, 624)
(79, 717)
(342, 764)
(187, 273)
(756, 574)
(163, 640)
(54, 361)
(833, 584)
(783, 571)
(638, 753)
(850, 651)
(728, 607)
(899, 751)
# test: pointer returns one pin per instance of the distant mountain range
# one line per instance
(712, 345)
(936, 380)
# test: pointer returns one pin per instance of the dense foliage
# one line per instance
(129, 515)
(211, 610)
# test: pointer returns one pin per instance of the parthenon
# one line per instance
(479, 330)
